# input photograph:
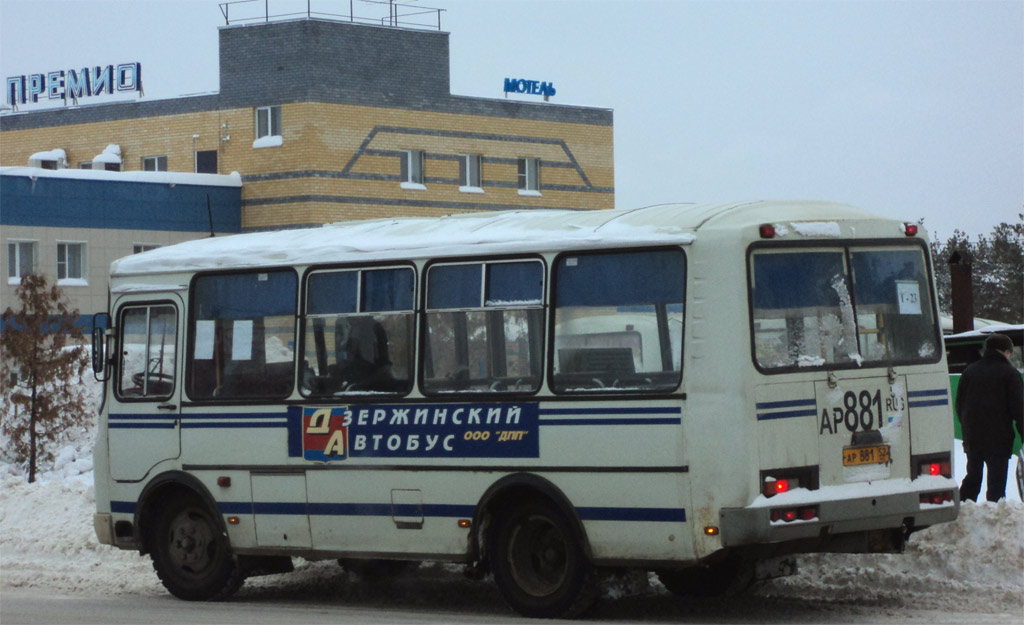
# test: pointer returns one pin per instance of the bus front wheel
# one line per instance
(539, 564)
(190, 552)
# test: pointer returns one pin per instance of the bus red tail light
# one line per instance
(937, 498)
(910, 230)
(788, 515)
(767, 231)
(934, 464)
(773, 486)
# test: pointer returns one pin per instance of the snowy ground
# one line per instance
(975, 565)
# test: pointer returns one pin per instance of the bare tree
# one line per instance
(42, 361)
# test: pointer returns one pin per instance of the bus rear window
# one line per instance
(242, 335)
(821, 307)
(619, 321)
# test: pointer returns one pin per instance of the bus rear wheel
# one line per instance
(191, 554)
(539, 564)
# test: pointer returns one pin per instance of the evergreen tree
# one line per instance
(997, 271)
(42, 361)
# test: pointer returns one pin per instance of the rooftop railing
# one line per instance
(398, 15)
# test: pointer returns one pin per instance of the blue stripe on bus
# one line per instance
(939, 392)
(123, 507)
(766, 416)
(661, 515)
(233, 415)
(125, 416)
(587, 513)
(789, 403)
(615, 411)
(675, 421)
(929, 402)
(236, 424)
(148, 426)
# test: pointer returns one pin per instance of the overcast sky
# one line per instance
(911, 109)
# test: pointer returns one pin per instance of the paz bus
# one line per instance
(701, 391)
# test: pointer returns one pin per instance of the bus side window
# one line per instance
(242, 335)
(619, 321)
(484, 327)
(148, 343)
(358, 332)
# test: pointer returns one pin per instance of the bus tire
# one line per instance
(191, 554)
(727, 578)
(538, 563)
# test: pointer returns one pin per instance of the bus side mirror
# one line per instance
(100, 322)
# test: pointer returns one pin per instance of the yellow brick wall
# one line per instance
(325, 137)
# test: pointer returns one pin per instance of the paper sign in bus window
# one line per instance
(241, 340)
(909, 295)
(204, 339)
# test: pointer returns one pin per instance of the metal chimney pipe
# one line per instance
(962, 294)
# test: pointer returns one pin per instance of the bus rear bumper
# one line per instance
(863, 524)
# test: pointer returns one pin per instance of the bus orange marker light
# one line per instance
(223, 481)
(233, 520)
(711, 530)
(465, 523)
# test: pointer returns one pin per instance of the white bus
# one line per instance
(699, 391)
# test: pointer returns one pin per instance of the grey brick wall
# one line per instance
(324, 61)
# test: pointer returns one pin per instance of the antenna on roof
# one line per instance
(209, 212)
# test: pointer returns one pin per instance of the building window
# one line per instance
(529, 176)
(469, 173)
(85, 165)
(412, 169)
(21, 260)
(268, 121)
(139, 248)
(50, 159)
(206, 162)
(154, 163)
(71, 263)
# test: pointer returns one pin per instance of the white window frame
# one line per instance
(528, 175)
(272, 122)
(471, 173)
(156, 160)
(138, 248)
(14, 261)
(412, 170)
(68, 280)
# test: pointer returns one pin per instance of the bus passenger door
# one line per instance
(143, 418)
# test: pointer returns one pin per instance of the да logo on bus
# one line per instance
(324, 435)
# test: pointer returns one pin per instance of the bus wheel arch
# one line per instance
(159, 490)
(531, 538)
(180, 525)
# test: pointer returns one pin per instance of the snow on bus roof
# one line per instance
(463, 234)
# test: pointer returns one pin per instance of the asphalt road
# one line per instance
(35, 607)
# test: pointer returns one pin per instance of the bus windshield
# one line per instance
(817, 307)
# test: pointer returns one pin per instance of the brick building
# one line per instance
(333, 120)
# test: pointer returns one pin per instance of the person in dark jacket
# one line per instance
(989, 402)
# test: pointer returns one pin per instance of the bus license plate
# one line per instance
(876, 454)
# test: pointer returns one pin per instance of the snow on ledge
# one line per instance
(234, 179)
(110, 154)
(269, 141)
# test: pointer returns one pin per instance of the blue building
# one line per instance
(70, 224)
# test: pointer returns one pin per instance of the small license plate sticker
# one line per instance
(856, 456)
